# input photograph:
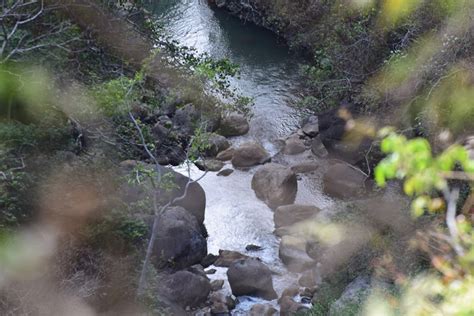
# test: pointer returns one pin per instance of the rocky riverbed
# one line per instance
(275, 184)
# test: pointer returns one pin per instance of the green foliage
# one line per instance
(115, 96)
(449, 290)
(199, 144)
(423, 174)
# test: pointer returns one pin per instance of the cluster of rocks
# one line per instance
(174, 124)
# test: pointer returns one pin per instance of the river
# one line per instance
(269, 74)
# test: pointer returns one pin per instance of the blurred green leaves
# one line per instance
(412, 161)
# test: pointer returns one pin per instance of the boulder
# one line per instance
(184, 288)
(275, 185)
(353, 297)
(292, 252)
(234, 124)
(344, 181)
(287, 215)
(305, 167)
(263, 310)
(250, 154)
(179, 242)
(226, 155)
(318, 148)
(294, 146)
(209, 165)
(227, 257)
(217, 144)
(311, 127)
(251, 277)
(194, 201)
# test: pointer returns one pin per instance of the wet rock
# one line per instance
(287, 215)
(226, 155)
(292, 252)
(352, 298)
(227, 257)
(211, 271)
(318, 148)
(225, 172)
(294, 146)
(249, 155)
(184, 288)
(179, 241)
(216, 285)
(275, 185)
(344, 181)
(252, 247)
(209, 165)
(234, 124)
(208, 260)
(311, 127)
(263, 310)
(251, 277)
(217, 144)
(305, 167)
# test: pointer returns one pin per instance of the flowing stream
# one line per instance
(234, 216)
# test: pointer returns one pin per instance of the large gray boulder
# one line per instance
(234, 124)
(251, 277)
(184, 288)
(179, 242)
(227, 257)
(287, 215)
(294, 145)
(293, 254)
(194, 201)
(275, 185)
(344, 181)
(249, 154)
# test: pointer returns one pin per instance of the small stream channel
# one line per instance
(234, 216)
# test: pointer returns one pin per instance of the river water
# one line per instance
(269, 74)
